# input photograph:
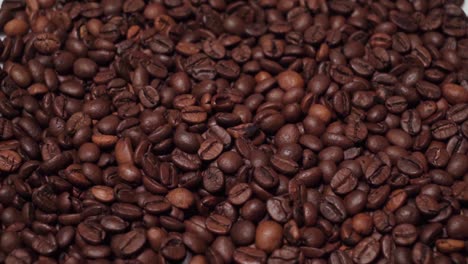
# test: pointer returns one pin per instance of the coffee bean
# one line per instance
(249, 255)
(284, 165)
(279, 209)
(332, 208)
(428, 90)
(173, 248)
(454, 93)
(404, 234)
(45, 198)
(181, 198)
(20, 75)
(268, 236)
(396, 199)
(9, 160)
(243, 233)
(410, 165)
(92, 233)
(377, 172)
(193, 114)
(343, 181)
(47, 43)
(411, 122)
(128, 243)
(103, 193)
(113, 224)
(443, 129)
(449, 245)
(427, 204)
(44, 245)
(210, 149)
(366, 251)
(185, 161)
(85, 68)
(213, 179)
(218, 224)
(356, 131)
(239, 193)
(290, 79)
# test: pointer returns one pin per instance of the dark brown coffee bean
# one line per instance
(361, 67)
(210, 149)
(9, 160)
(227, 69)
(173, 248)
(428, 90)
(128, 243)
(181, 198)
(356, 131)
(284, 165)
(193, 114)
(332, 208)
(366, 251)
(185, 161)
(377, 172)
(239, 193)
(213, 179)
(92, 233)
(427, 204)
(437, 157)
(396, 199)
(411, 122)
(113, 224)
(404, 234)
(218, 224)
(279, 209)
(44, 245)
(443, 129)
(410, 165)
(47, 43)
(149, 96)
(343, 181)
(249, 255)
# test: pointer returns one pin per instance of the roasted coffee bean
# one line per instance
(218, 224)
(356, 131)
(444, 129)
(366, 251)
(410, 165)
(279, 209)
(239, 193)
(249, 255)
(411, 122)
(343, 181)
(213, 179)
(332, 208)
(210, 149)
(128, 243)
(47, 43)
(9, 160)
(377, 172)
(404, 234)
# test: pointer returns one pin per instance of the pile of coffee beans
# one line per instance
(234, 131)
